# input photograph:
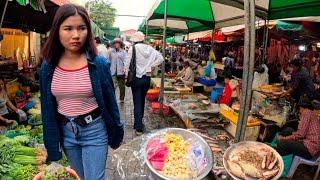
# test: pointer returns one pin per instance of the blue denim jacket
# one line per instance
(99, 71)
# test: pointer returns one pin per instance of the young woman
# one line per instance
(79, 109)
(147, 58)
(6, 117)
(305, 141)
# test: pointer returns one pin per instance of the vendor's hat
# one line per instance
(137, 37)
(117, 40)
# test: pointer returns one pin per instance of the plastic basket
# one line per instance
(207, 82)
(152, 97)
(156, 109)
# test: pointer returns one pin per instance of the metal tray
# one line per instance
(186, 135)
(250, 145)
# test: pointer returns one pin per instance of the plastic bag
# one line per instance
(207, 71)
(157, 153)
(22, 115)
(196, 157)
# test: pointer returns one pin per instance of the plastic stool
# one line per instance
(299, 160)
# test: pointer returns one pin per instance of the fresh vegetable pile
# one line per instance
(19, 161)
(175, 157)
(20, 156)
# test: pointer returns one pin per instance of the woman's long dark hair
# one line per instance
(53, 49)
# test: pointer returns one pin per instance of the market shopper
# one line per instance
(79, 109)
(301, 82)
(117, 57)
(229, 61)
(8, 112)
(305, 141)
(147, 58)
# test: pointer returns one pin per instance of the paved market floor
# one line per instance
(125, 164)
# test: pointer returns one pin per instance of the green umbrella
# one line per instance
(96, 30)
(225, 14)
(183, 15)
(280, 9)
(33, 3)
(149, 30)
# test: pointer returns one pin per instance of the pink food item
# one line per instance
(157, 153)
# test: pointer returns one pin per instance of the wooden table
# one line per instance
(187, 122)
(156, 82)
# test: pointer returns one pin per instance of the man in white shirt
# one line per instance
(147, 58)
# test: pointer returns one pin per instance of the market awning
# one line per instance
(175, 40)
(21, 14)
(157, 30)
(280, 9)
(112, 33)
(206, 36)
(96, 30)
(183, 15)
(228, 12)
(35, 4)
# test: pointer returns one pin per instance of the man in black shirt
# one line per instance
(302, 82)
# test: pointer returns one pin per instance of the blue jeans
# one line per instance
(86, 148)
(139, 89)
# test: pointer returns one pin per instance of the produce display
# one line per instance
(19, 156)
(253, 160)
(176, 164)
(176, 157)
(22, 153)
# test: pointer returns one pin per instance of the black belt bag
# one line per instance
(82, 120)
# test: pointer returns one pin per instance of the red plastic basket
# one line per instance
(156, 109)
(153, 95)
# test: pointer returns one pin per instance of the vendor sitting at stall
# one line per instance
(6, 117)
(209, 77)
(305, 141)
(186, 75)
(231, 91)
(301, 82)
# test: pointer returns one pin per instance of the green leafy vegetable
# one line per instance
(56, 171)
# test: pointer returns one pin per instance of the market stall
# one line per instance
(22, 153)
